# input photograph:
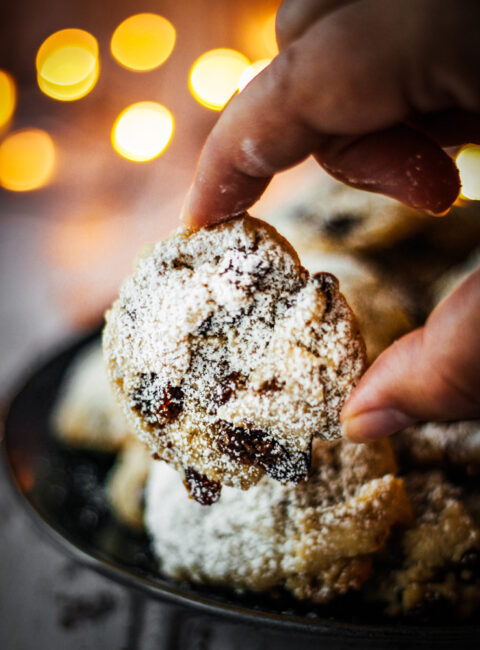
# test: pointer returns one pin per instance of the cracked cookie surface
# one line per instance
(228, 358)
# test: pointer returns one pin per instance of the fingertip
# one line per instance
(372, 425)
(191, 217)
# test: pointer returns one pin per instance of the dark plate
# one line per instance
(62, 489)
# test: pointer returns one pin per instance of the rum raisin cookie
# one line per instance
(383, 311)
(433, 568)
(335, 217)
(228, 358)
(315, 540)
(86, 415)
(440, 444)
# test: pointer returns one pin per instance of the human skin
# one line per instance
(373, 90)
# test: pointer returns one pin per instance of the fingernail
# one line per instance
(437, 214)
(374, 424)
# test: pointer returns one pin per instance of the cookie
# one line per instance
(335, 217)
(126, 483)
(382, 310)
(315, 540)
(86, 415)
(228, 358)
(433, 568)
(440, 444)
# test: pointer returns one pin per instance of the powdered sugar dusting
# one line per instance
(314, 539)
(215, 321)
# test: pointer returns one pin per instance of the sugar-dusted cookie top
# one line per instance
(229, 358)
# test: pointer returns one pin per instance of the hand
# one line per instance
(431, 374)
(372, 89)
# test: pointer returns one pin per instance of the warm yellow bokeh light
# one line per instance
(468, 163)
(27, 160)
(249, 73)
(215, 75)
(142, 131)
(143, 41)
(68, 65)
(269, 39)
(8, 98)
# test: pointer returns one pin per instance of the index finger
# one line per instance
(332, 82)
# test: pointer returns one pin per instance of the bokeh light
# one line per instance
(8, 98)
(269, 39)
(68, 64)
(249, 73)
(143, 42)
(27, 160)
(215, 75)
(468, 163)
(142, 131)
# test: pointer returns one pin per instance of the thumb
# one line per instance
(431, 374)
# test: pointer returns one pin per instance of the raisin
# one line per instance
(291, 468)
(201, 489)
(156, 403)
(340, 225)
(205, 326)
(328, 284)
(181, 264)
(226, 388)
(271, 386)
(256, 447)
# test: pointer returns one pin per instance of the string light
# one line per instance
(27, 160)
(468, 163)
(215, 75)
(142, 131)
(8, 98)
(67, 64)
(143, 42)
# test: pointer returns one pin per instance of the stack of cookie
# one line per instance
(231, 363)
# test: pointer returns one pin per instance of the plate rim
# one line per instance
(175, 594)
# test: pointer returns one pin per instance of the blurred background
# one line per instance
(104, 107)
(85, 177)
